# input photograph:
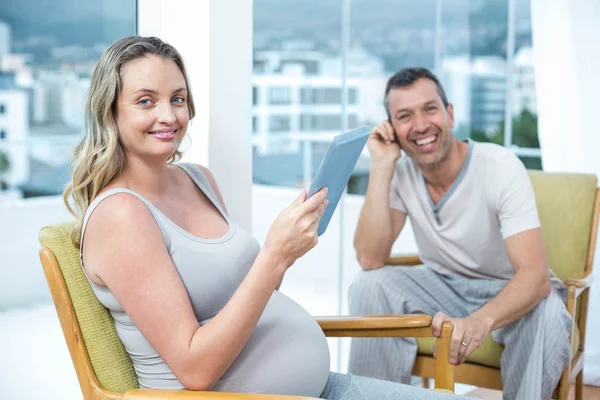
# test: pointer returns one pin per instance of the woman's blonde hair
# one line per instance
(99, 156)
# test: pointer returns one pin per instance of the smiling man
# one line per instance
(474, 216)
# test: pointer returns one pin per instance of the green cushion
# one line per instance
(110, 361)
(489, 353)
(565, 204)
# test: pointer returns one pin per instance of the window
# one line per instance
(352, 96)
(279, 123)
(324, 123)
(59, 54)
(254, 124)
(320, 95)
(2, 134)
(254, 95)
(279, 95)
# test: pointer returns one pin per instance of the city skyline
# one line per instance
(51, 69)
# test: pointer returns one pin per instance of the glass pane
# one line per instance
(297, 88)
(385, 36)
(47, 53)
(524, 123)
(473, 66)
(531, 162)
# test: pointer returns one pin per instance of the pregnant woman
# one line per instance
(194, 297)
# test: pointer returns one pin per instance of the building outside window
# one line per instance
(279, 123)
(482, 55)
(48, 52)
(279, 95)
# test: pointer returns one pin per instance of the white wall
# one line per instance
(217, 47)
(22, 280)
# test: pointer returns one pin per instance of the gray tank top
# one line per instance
(286, 354)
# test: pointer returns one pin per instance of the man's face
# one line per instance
(422, 124)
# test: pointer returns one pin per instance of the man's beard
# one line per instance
(444, 144)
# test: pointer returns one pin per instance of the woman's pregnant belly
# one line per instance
(286, 354)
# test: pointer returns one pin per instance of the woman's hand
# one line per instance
(294, 232)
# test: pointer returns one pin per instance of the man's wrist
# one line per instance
(488, 320)
(383, 165)
(382, 169)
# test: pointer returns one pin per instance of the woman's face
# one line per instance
(152, 109)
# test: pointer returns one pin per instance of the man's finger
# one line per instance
(455, 343)
(436, 324)
(389, 130)
(468, 350)
(379, 134)
(384, 132)
(462, 350)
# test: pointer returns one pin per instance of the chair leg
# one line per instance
(425, 382)
(444, 371)
(579, 386)
(564, 386)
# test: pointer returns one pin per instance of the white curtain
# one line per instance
(566, 47)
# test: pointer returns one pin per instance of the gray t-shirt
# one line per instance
(491, 199)
(286, 354)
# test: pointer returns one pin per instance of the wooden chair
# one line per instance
(103, 367)
(568, 206)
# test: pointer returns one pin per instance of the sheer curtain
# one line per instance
(566, 37)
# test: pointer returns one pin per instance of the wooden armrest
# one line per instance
(155, 394)
(375, 321)
(411, 325)
(407, 260)
(581, 283)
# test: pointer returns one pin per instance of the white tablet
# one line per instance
(336, 168)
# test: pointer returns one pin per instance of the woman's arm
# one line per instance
(125, 251)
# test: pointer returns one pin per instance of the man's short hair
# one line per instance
(407, 76)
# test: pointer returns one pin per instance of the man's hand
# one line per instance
(468, 334)
(383, 144)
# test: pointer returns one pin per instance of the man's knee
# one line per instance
(550, 315)
(555, 322)
(556, 319)
(554, 313)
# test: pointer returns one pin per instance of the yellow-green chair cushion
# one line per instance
(489, 353)
(565, 204)
(109, 359)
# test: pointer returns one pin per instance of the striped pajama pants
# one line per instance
(536, 346)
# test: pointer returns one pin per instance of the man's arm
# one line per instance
(527, 288)
(529, 285)
(378, 225)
